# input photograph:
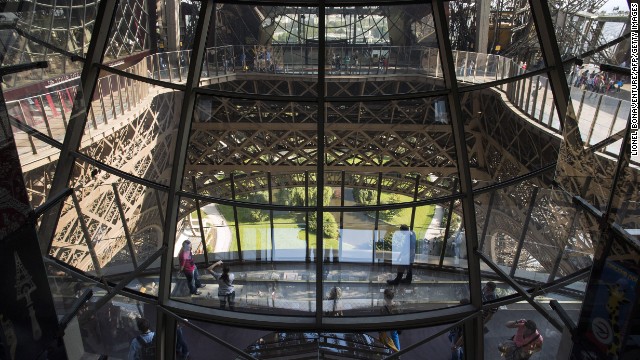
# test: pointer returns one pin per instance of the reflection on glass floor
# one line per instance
(312, 345)
(290, 287)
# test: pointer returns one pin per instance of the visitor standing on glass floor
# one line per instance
(404, 243)
(488, 294)
(226, 292)
(188, 267)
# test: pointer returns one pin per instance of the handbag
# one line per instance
(509, 348)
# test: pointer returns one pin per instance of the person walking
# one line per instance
(390, 338)
(143, 346)
(488, 294)
(226, 292)
(405, 240)
(182, 349)
(456, 339)
(336, 307)
(188, 267)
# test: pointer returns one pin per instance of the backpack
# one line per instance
(147, 349)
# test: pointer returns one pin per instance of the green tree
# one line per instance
(329, 225)
(386, 243)
(295, 196)
(257, 215)
(369, 197)
(387, 215)
(364, 196)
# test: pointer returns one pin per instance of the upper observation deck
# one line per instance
(291, 73)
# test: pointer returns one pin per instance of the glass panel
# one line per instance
(427, 226)
(499, 332)
(578, 33)
(407, 148)
(523, 147)
(546, 235)
(109, 249)
(600, 114)
(580, 247)
(592, 127)
(256, 236)
(558, 242)
(67, 27)
(201, 347)
(129, 31)
(138, 143)
(455, 245)
(70, 244)
(38, 161)
(64, 289)
(289, 230)
(229, 137)
(110, 329)
(357, 238)
(503, 233)
(227, 212)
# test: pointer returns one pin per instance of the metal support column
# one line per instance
(125, 227)
(483, 14)
(486, 220)
(473, 335)
(321, 146)
(551, 55)
(271, 228)
(236, 221)
(523, 234)
(172, 22)
(306, 218)
(87, 236)
(166, 339)
(199, 212)
(78, 118)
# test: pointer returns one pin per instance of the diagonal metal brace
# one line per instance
(522, 291)
(6, 70)
(103, 300)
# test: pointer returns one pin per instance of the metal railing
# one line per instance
(116, 95)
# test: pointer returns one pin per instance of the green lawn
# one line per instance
(289, 228)
(194, 214)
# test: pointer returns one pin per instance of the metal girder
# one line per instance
(127, 279)
(125, 227)
(504, 276)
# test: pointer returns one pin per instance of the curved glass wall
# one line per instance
(294, 144)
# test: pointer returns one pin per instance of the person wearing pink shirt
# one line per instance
(524, 343)
(188, 267)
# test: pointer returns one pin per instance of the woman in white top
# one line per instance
(226, 292)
